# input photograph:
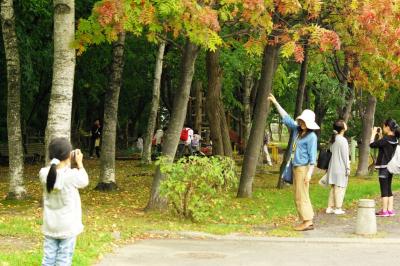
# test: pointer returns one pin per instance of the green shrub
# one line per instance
(194, 186)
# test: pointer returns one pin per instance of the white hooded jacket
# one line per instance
(62, 212)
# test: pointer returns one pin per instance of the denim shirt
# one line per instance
(306, 148)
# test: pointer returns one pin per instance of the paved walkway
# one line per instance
(253, 253)
(332, 243)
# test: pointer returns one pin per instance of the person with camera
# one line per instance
(95, 139)
(386, 145)
(304, 157)
(62, 213)
(338, 169)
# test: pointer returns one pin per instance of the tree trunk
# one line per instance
(226, 140)
(248, 84)
(198, 90)
(320, 109)
(214, 115)
(15, 150)
(302, 84)
(176, 121)
(368, 123)
(345, 115)
(259, 121)
(107, 158)
(155, 103)
(298, 109)
(60, 106)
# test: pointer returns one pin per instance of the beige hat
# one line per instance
(308, 117)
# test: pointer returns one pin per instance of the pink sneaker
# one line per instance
(391, 213)
(382, 213)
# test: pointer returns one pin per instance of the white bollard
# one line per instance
(366, 219)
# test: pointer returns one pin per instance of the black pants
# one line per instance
(92, 147)
(385, 182)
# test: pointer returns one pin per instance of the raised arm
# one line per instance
(286, 119)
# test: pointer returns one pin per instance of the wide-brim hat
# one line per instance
(308, 117)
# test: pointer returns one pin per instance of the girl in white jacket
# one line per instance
(62, 213)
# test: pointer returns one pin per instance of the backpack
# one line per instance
(185, 134)
(394, 164)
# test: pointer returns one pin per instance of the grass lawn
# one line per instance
(112, 219)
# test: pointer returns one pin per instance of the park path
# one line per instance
(333, 242)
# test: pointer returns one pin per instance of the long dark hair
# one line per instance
(59, 148)
(338, 126)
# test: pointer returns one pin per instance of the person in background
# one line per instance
(158, 136)
(265, 149)
(339, 168)
(304, 159)
(196, 142)
(62, 212)
(386, 145)
(185, 142)
(95, 139)
(139, 144)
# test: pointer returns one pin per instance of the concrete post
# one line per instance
(366, 219)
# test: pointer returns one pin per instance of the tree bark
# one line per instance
(260, 116)
(198, 90)
(15, 149)
(298, 109)
(368, 123)
(214, 76)
(226, 140)
(345, 115)
(107, 158)
(155, 103)
(215, 108)
(60, 106)
(176, 121)
(302, 84)
(248, 84)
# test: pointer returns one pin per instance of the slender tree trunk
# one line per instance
(320, 109)
(302, 84)
(155, 103)
(198, 87)
(15, 150)
(226, 140)
(248, 84)
(60, 106)
(107, 158)
(176, 121)
(368, 123)
(260, 116)
(298, 109)
(213, 101)
(345, 115)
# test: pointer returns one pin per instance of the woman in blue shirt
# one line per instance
(304, 157)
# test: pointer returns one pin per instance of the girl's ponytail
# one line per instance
(51, 177)
(59, 150)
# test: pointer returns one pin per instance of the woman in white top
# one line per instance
(62, 213)
(339, 168)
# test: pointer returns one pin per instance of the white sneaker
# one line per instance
(329, 210)
(339, 211)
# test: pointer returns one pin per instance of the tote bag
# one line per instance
(323, 159)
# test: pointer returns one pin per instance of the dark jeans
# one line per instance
(385, 182)
(181, 149)
(92, 147)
